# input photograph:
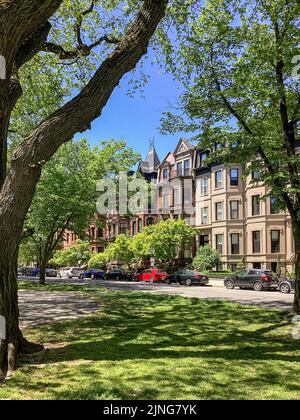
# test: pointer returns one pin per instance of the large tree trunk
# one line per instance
(12, 343)
(296, 231)
(19, 22)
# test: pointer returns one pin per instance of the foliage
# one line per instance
(66, 194)
(27, 252)
(99, 261)
(168, 238)
(207, 259)
(75, 256)
(241, 265)
(121, 250)
(236, 61)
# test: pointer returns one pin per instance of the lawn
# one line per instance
(140, 346)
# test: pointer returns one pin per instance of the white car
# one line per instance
(69, 272)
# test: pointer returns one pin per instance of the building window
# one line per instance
(187, 168)
(234, 177)
(204, 186)
(187, 195)
(275, 241)
(256, 242)
(219, 211)
(204, 216)
(204, 240)
(123, 228)
(219, 243)
(235, 244)
(273, 205)
(176, 197)
(256, 205)
(166, 202)
(179, 169)
(234, 210)
(165, 174)
(201, 159)
(257, 266)
(150, 221)
(187, 220)
(134, 228)
(219, 179)
(140, 226)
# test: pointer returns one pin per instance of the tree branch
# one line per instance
(82, 50)
(76, 116)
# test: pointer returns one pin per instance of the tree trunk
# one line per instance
(12, 342)
(43, 266)
(296, 231)
(43, 272)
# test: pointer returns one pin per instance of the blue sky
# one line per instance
(137, 120)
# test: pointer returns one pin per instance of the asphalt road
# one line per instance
(216, 291)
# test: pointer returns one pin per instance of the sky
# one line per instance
(137, 120)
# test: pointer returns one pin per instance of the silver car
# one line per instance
(70, 272)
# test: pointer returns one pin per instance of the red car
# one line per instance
(153, 274)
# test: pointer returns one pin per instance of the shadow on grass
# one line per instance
(166, 347)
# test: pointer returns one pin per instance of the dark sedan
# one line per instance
(257, 280)
(188, 277)
(287, 286)
(92, 273)
(118, 274)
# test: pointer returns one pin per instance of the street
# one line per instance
(216, 291)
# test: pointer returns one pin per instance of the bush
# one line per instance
(207, 259)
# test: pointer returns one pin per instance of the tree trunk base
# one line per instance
(26, 347)
(11, 350)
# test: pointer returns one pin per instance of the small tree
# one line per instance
(74, 256)
(121, 251)
(207, 259)
(168, 238)
(99, 261)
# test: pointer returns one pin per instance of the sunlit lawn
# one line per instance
(141, 346)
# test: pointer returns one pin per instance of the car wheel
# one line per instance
(168, 281)
(189, 282)
(81, 276)
(285, 288)
(229, 284)
(258, 287)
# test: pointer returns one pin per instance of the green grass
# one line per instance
(141, 346)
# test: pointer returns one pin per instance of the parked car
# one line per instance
(287, 286)
(188, 277)
(257, 280)
(152, 275)
(35, 272)
(69, 272)
(118, 274)
(29, 271)
(92, 273)
(50, 272)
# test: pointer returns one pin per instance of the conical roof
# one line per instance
(151, 163)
